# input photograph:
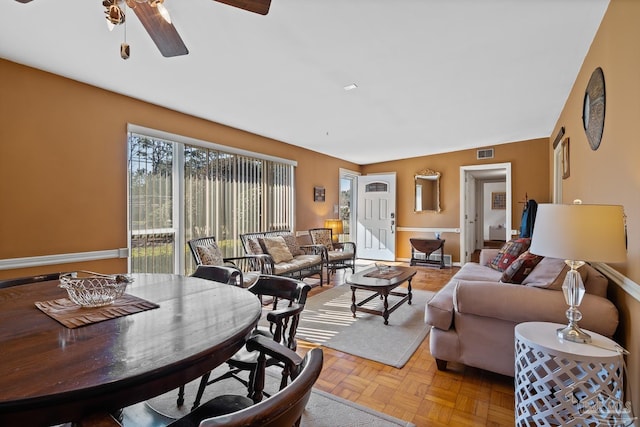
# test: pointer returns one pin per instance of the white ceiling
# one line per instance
(433, 75)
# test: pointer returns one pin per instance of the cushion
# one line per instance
(509, 252)
(322, 237)
(292, 244)
(253, 247)
(210, 255)
(520, 268)
(277, 248)
(545, 272)
(550, 274)
(556, 285)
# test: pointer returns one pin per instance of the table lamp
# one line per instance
(578, 233)
(336, 228)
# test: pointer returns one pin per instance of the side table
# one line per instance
(566, 383)
(426, 247)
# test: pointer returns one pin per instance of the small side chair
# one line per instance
(338, 255)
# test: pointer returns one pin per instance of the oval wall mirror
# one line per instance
(427, 191)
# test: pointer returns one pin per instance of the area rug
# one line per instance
(323, 409)
(327, 320)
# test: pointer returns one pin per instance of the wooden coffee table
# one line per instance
(382, 282)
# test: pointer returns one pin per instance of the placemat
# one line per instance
(73, 316)
(384, 274)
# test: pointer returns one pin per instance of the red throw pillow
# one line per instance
(509, 252)
(520, 268)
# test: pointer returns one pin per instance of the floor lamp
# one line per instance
(578, 233)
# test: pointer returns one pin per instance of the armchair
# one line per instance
(240, 271)
(337, 255)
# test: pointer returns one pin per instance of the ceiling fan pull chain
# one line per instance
(125, 50)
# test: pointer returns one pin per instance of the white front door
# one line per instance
(376, 213)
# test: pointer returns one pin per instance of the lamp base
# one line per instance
(574, 334)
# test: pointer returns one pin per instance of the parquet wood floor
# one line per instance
(461, 396)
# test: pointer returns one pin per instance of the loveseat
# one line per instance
(282, 255)
(473, 316)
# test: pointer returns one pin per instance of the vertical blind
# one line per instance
(216, 193)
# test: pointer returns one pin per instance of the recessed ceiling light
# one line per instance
(351, 86)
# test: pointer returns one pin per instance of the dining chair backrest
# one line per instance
(283, 408)
(289, 297)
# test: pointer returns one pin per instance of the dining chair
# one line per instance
(7, 283)
(241, 271)
(338, 255)
(287, 299)
(283, 408)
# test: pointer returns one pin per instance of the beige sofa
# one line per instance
(473, 317)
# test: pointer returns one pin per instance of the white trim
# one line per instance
(557, 174)
(626, 284)
(429, 229)
(172, 137)
(36, 261)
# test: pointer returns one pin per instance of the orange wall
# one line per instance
(63, 166)
(611, 175)
(529, 175)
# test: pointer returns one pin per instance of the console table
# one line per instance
(426, 247)
(566, 383)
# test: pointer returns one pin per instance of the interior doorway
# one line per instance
(485, 204)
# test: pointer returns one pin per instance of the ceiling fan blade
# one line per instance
(163, 34)
(256, 6)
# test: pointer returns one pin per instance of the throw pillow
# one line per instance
(292, 244)
(277, 248)
(210, 255)
(509, 252)
(322, 237)
(520, 268)
(253, 247)
(556, 285)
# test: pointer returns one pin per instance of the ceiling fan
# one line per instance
(154, 19)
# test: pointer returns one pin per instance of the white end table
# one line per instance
(566, 383)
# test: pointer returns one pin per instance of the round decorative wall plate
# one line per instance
(594, 108)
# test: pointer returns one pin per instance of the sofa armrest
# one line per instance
(518, 303)
(486, 255)
(439, 310)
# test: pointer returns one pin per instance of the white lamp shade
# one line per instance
(580, 232)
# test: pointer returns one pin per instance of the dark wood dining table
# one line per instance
(51, 374)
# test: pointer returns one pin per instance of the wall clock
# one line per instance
(593, 108)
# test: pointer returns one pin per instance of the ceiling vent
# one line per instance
(485, 153)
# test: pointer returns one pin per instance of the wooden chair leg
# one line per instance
(203, 384)
(180, 400)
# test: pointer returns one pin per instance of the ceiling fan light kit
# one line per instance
(156, 20)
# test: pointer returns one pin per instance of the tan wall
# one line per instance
(529, 176)
(611, 175)
(63, 166)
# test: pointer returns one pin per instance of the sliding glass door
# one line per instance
(179, 191)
